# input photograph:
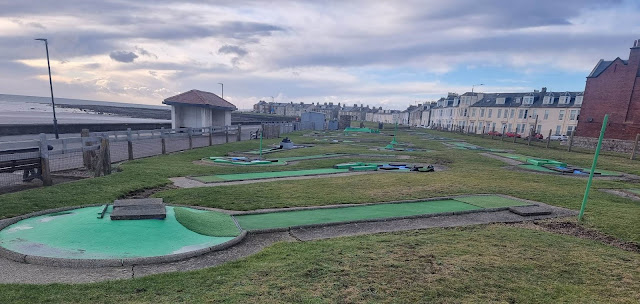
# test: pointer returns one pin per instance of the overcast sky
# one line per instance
(385, 53)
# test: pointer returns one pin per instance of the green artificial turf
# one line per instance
(79, 234)
(333, 215)
(261, 175)
(491, 201)
(211, 223)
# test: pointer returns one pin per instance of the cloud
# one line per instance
(123, 56)
(232, 49)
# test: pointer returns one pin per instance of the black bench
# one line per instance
(31, 166)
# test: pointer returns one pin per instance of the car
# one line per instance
(494, 133)
(536, 136)
(559, 137)
(512, 134)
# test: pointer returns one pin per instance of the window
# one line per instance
(572, 115)
(526, 112)
(527, 100)
(539, 129)
(499, 113)
(547, 100)
(480, 126)
(493, 126)
(561, 115)
(546, 114)
(481, 112)
(558, 128)
(520, 114)
(564, 99)
(500, 100)
(473, 112)
(465, 112)
(513, 112)
(489, 113)
(505, 113)
(569, 130)
(509, 127)
(535, 113)
(578, 100)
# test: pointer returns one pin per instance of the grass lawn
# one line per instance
(491, 263)
(466, 265)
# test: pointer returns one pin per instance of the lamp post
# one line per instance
(53, 104)
(222, 84)
(473, 86)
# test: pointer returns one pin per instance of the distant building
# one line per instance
(613, 87)
(517, 112)
(357, 113)
(199, 109)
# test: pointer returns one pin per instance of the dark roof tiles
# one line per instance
(200, 98)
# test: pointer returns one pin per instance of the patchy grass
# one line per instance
(479, 264)
(465, 265)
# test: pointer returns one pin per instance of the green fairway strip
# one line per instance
(209, 223)
(311, 157)
(333, 215)
(491, 201)
(261, 175)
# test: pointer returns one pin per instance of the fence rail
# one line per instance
(94, 152)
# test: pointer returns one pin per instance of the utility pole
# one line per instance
(222, 84)
(53, 104)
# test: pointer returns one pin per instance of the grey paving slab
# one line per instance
(530, 210)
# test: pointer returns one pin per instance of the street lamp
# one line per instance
(473, 86)
(53, 104)
(222, 84)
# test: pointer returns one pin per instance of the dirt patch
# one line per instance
(145, 193)
(621, 192)
(574, 229)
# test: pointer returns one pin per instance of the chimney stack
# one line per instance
(544, 90)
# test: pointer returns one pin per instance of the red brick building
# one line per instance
(613, 88)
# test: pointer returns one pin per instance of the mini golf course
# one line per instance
(467, 146)
(82, 234)
(289, 219)
(262, 175)
(553, 166)
(339, 168)
(360, 130)
(245, 161)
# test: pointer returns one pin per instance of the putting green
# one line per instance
(490, 201)
(79, 234)
(380, 211)
(537, 168)
(262, 175)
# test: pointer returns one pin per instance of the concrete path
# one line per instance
(15, 272)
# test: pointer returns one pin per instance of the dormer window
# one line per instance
(500, 100)
(564, 99)
(578, 100)
(547, 100)
(528, 100)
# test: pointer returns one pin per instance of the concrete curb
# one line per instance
(94, 263)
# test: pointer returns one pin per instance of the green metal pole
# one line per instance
(593, 167)
(260, 144)
(393, 142)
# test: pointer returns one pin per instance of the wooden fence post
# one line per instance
(190, 134)
(502, 137)
(515, 136)
(106, 157)
(44, 161)
(530, 135)
(86, 155)
(482, 131)
(570, 141)
(226, 133)
(129, 143)
(635, 147)
(163, 140)
(239, 132)
(549, 139)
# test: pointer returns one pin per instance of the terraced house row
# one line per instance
(539, 110)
